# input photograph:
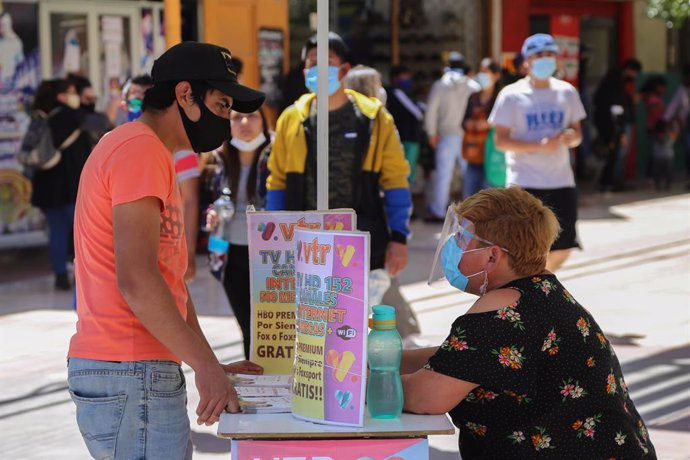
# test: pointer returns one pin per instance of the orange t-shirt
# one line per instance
(128, 164)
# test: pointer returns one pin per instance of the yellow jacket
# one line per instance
(384, 169)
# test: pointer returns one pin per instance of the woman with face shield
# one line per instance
(527, 369)
(240, 165)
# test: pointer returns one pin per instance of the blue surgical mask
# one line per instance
(451, 254)
(544, 67)
(310, 79)
(405, 84)
(484, 79)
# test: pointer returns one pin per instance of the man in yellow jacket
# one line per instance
(366, 162)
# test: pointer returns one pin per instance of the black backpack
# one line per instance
(38, 150)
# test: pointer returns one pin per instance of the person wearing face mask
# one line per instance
(537, 122)
(477, 127)
(367, 167)
(128, 107)
(136, 320)
(526, 370)
(95, 123)
(236, 165)
(125, 105)
(55, 189)
(445, 110)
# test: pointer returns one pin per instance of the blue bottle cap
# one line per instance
(384, 317)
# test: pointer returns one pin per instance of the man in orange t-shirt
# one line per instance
(136, 319)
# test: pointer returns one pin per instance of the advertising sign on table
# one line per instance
(331, 276)
(272, 280)
(346, 449)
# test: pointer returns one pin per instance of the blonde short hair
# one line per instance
(365, 80)
(515, 220)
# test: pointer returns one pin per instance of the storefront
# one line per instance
(600, 25)
(106, 41)
(384, 33)
(109, 41)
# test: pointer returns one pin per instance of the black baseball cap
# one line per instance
(212, 64)
(335, 43)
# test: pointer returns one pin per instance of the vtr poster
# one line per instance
(331, 276)
(272, 280)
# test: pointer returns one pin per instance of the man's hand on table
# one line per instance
(243, 367)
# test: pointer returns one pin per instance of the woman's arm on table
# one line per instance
(413, 360)
(428, 392)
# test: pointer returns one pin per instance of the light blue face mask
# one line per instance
(310, 79)
(544, 67)
(450, 262)
(483, 78)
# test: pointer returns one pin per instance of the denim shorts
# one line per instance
(131, 410)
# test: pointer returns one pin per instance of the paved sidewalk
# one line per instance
(633, 275)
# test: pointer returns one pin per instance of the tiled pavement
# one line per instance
(633, 275)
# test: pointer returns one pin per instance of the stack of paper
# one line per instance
(263, 394)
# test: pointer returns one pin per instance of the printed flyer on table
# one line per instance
(331, 275)
(272, 279)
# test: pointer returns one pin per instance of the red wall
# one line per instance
(516, 14)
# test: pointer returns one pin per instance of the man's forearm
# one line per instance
(151, 301)
(516, 146)
(193, 321)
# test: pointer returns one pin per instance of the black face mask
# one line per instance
(88, 108)
(208, 133)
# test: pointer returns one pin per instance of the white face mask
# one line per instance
(73, 101)
(248, 146)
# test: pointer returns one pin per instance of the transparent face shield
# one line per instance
(455, 238)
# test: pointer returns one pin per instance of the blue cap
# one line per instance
(383, 317)
(538, 43)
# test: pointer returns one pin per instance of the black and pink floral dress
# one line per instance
(550, 385)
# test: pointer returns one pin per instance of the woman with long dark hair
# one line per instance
(477, 127)
(237, 166)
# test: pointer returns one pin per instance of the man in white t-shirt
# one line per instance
(537, 120)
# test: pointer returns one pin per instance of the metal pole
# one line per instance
(322, 105)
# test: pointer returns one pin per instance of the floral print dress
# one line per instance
(550, 385)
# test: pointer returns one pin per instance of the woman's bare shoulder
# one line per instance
(495, 300)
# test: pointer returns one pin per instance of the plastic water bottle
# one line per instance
(217, 241)
(225, 211)
(384, 352)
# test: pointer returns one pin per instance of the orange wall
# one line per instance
(235, 25)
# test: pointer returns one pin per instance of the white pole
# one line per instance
(322, 105)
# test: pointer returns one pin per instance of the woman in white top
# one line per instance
(238, 166)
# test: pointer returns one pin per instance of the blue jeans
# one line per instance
(448, 154)
(60, 222)
(131, 410)
(474, 180)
